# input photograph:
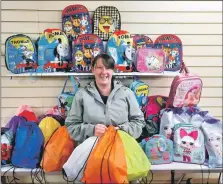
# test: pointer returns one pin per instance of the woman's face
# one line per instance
(103, 76)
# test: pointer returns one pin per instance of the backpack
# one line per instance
(65, 99)
(141, 92)
(120, 48)
(188, 144)
(48, 126)
(106, 20)
(141, 41)
(76, 21)
(159, 150)
(172, 47)
(57, 150)
(54, 52)
(28, 146)
(26, 112)
(149, 60)
(185, 89)
(84, 49)
(212, 129)
(20, 54)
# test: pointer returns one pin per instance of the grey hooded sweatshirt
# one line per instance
(88, 109)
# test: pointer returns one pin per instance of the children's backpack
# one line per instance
(106, 20)
(54, 53)
(141, 91)
(212, 129)
(26, 112)
(20, 54)
(149, 60)
(48, 126)
(28, 146)
(159, 150)
(172, 47)
(85, 48)
(185, 89)
(76, 21)
(141, 41)
(188, 144)
(59, 118)
(65, 99)
(57, 150)
(120, 48)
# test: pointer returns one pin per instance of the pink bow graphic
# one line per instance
(193, 134)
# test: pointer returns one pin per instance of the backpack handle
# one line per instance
(184, 68)
(74, 84)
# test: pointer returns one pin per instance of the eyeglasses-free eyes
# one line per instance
(103, 20)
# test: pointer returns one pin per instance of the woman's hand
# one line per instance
(99, 130)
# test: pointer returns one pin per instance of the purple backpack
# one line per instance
(14, 123)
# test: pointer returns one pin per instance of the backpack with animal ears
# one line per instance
(84, 48)
(120, 48)
(20, 54)
(185, 89)
(188, 144)
(106, 20)
(54, 52)
(76, 21)
(65, 99)
(173, 49)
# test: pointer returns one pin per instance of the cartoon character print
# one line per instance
(63, 106)
(215, 141)
(128, 55)
(79, 60)
(76, 24)
(96, 51)
(170, 56)
(106, 24)
(88, 56)
(193, 96)
(152, 63)
(140, 43)
(83, 24)
(188, 142)
(61, 53)
(68, 29)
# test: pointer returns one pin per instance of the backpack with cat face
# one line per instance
(54, 52)
(76, 21)
(106, 20)
(120, 48)
(173, 49)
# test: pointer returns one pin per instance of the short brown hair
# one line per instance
(107, 60)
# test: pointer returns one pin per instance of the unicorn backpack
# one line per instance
(20, 54)
(76, 21)
(188, 144)
(159, 149)
(54, 53)
(120, 48)
(85, 48)
(106, 20)
(172, 47)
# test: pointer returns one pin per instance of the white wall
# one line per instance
(198, 24)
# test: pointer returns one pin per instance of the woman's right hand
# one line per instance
(99, 130)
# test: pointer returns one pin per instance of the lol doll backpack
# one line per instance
(106, 20)
(185, 89)
(188, 144)
(149, 60)
(84, 49)
(20, 54)
(120, 47)
(76, 21)
(159, 150)
(172, 47)
(54, 53)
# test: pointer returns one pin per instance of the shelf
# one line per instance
(166, 73)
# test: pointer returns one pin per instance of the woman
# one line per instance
(104, 102)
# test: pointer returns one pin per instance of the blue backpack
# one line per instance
(28, 146)
(20, 54)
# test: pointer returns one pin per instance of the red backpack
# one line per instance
(185, 89)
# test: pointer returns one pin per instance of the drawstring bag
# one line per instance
(74, 168)
(107, 163)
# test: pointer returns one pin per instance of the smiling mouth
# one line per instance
(106, 28)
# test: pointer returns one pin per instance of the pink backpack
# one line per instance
(185, 89)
